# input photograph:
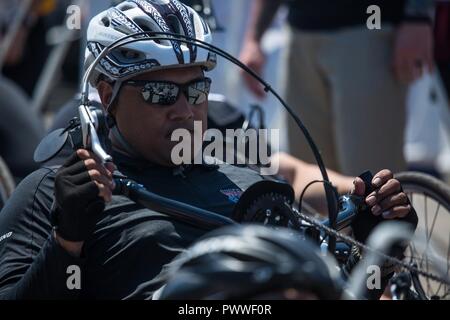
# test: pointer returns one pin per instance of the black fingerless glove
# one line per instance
(364, 222)
(362, 225)
(77, 203)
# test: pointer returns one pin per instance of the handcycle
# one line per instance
(431, 199)
(273, 205)
(268, 204)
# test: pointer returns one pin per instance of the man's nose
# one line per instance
(181, 110)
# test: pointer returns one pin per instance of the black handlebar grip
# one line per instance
(367, 177)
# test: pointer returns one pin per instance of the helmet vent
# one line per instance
(106, 22)
(174, 24)
(144, 25)
(127, 56)
(126, 6)
(130, 54)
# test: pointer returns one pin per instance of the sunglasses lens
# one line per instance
(166, 93)
(198, 91)
(160, 93)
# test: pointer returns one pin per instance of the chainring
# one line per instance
(269, 209)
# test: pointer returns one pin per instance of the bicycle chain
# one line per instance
(352, 241)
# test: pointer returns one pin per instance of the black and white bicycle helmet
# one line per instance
(132, 59)
(251, 261)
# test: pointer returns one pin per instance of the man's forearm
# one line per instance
(262, 14)
(312, 172)
(73, 248)
(299, 173)
(47, 277)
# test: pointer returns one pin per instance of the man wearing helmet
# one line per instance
(66, 236)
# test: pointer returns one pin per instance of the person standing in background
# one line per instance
(343, 77)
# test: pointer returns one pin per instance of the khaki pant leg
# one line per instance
(306, 91)
(368, 102)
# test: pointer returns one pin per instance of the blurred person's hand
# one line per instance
(413, 51)
(253, 56)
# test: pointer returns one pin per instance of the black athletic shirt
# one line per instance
(334, 14)
(131, 247)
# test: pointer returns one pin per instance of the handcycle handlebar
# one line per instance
(89, 125)
(349, 207)
(181, 211)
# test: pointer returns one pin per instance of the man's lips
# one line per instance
(170, 132)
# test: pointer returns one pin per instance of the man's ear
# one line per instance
(105, 91)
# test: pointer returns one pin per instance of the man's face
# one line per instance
(148, 127)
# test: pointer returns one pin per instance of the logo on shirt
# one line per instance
(232, 194)
(6, 236)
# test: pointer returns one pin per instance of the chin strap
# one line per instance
(114, 130)
(115, 91)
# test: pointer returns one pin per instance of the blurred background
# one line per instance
(41, 55)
